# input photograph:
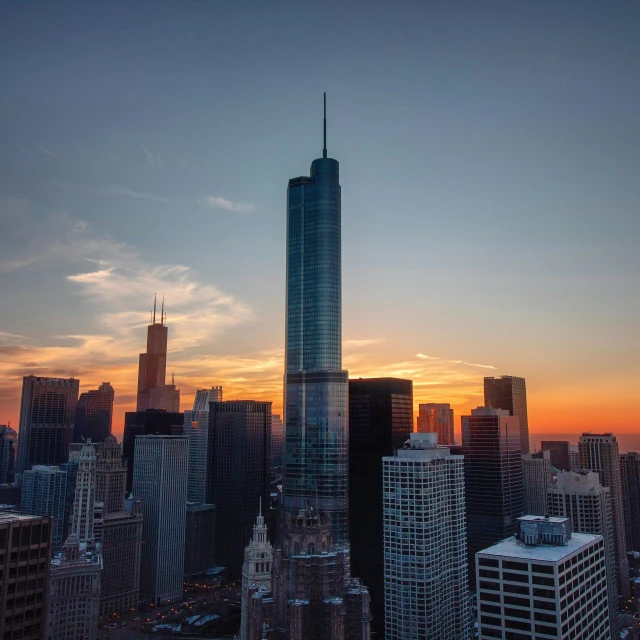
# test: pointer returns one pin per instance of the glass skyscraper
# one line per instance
(316, 387)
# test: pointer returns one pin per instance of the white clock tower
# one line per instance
(257, 568)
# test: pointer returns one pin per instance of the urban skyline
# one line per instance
(105, 203)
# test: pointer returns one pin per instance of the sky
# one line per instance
(489, 155)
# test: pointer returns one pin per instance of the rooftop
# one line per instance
(513, 548)
(6, 516)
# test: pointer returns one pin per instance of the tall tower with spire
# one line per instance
(153, 393)
(315, 384)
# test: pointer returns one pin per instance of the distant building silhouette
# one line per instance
(239, 473)
(560, 451)
(493, 478)
(437, 418)
(94, 413)
(277, 441)
(47, 414)
(510, 393)
(147, 423)
(380, 422)
(536, 480)
(8, 442)
(630, 477)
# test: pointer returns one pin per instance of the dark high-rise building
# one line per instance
(153, 392)
(8, 439)
(630, 476)
(199, 536)
(434, 417)
(153, 422)
(47, 412)
(599, 453)
(23, 585)
(560, 451)
(239, 452)
(380, 422)
(94, 413)
(510, 393)
(316, 387)
(492, 478)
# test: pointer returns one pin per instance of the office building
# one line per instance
(204, 397)
(119, 531)
(47, 413)
(581, 498)
(536, 480)
(510, 393)
(316, 386)
(380, 422)
(84, 497)
(493, 478)
(630, 481)
(434, 417)
(153, 392)
(574, 454)
(200, 531)
(74, 592)
(153, 422)
(277, 441)
(425, 556)
(560, 453)
(44, 493)
(94, 413)
(8, 441)
(160, 484)
(544, 583)
(239, 473)
(23, 585)
(599, 453)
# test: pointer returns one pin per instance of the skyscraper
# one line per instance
(536, 480)
(94, 413)
(425, 556)
(493, 478)
(316, 403)
(156, 422)
(47, 413)
(437, 418)
(23, 585)
(630, 477)
(599, 453)
(160, 484)
(510, 393)
(200, 531)
(560, 451)
(544, 582)
(8, 440)
(239, 473)
(277, 440)
(44, 492)
(380, 421)
(153, 392)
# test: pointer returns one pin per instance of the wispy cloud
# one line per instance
(112, 190)
(25, 150)
(47, 152)
(468, 364)
(153, 159)
(424, 357)
(362, 343)
(217, 202)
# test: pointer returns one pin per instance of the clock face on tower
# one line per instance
(263, 585)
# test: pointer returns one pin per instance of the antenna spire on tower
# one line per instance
(162, 312)
(154, 308)
(324, 148)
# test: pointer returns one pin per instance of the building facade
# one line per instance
(8, 441)
(425, 556)
(44, 493)
(160, 484)
(434, 417)
(544, 583)
(153, 422)
(630, 480)
(239, 458)
(493, 478)
(200, 531)
(94, 414)
(599, 453)
(277, 441)
(560, 453)
(380, 422)
(536, 480)
(510, 393)
(316, 387)
(47, 413)
(23, 586)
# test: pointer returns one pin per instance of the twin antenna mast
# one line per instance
(163, 315)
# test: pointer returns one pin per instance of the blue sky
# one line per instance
(489, 158)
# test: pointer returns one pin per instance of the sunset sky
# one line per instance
(490, 163)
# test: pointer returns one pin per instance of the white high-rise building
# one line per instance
(84, 497)
(196, 428)
(160, 484)
(536, 480)
(543, 583)
(425, 555)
